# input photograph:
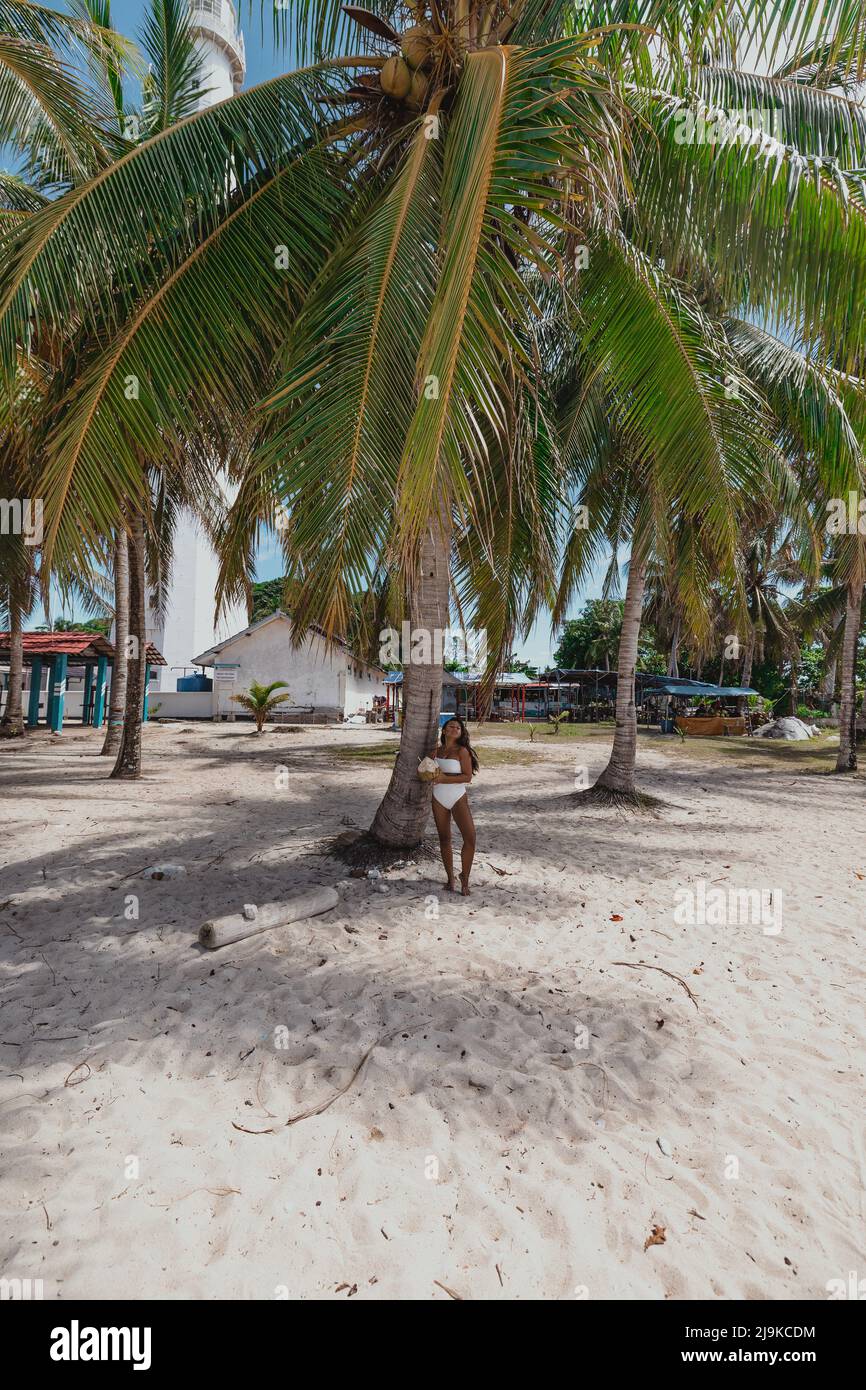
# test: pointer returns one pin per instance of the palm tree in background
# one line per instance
(835, 613)
(420, 246)
(260, 700)
(50, 123)
(170, 91)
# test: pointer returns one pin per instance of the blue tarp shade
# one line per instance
(698, 690)
(648, 683)
(692, 691)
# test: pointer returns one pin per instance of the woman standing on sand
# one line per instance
(456, 763)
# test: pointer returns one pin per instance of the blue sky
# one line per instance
(264, 61)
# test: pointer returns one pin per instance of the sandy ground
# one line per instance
(532, 1108)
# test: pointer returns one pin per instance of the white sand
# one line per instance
(128, 1052)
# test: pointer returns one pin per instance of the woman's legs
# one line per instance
(466, 826)
(442, 817)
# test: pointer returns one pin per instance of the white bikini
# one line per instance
(451, 793)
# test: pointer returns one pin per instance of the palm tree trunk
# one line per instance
(748, 659)
(128, 764)
(746, 673)
(673, 661)
(847, 759)
(402, 816)
(13, 716)
(117, 704)
(860, 723)
(618, 776)
(795, 670)
(828, 685)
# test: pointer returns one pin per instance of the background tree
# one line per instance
(261, 701)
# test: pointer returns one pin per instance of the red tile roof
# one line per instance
(72, 644)
(54, 643)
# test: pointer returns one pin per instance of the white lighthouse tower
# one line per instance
(188, 627)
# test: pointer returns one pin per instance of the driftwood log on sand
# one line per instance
(235, 926)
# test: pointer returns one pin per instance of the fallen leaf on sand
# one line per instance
(616, 917)
(450, 1292)
(656, 1237)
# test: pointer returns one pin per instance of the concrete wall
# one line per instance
(362, 683)
(181, 704)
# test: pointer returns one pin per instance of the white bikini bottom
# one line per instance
(449, 795)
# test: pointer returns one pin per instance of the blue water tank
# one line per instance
(198, 682)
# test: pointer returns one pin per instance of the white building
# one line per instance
(223, 59)
(188, 622)
(326, 681)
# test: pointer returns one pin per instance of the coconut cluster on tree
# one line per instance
(402, 77)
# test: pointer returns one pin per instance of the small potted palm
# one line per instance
(260, 700)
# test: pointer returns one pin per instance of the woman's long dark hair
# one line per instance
(463, 740)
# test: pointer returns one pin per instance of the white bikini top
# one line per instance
(450, 766)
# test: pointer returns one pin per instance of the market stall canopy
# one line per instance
(651, 683)
(737, 690)
(701, 690)
(515, 678)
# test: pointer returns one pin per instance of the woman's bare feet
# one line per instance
(464, 886)
(450, 886)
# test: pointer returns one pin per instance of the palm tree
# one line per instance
(117, 700)
(170, 92)
(846, 760)
(47, 120)
(17, 562)
(261, 701)
(127, 765)
(836, 611)
(51, 116)
(408, 260)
